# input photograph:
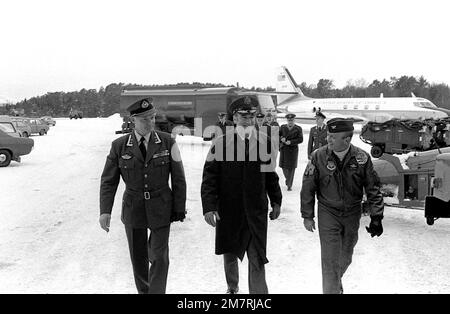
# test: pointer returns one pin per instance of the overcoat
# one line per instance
(239, 189)
(289, 153)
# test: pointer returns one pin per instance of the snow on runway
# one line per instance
(50, 240)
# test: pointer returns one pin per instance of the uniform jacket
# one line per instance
(340, 191)
(222, 127)
(239, 191)
(289, 153)
(317, 138)
(148, 201)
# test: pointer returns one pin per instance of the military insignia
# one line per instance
(126, 156)
(309, 171)
(157, 139)
(130, 141)
(247, 100)
(361, 158)
(331, 165)
(144, 104)
(353, 166)
(161, 154)
(333, 127)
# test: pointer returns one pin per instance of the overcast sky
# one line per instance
(51, 45)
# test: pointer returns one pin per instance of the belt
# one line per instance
(148, 194)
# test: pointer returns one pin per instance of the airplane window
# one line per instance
(345, 106)
(426, 104)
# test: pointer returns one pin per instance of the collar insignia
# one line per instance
(130, 141)
(157, 139)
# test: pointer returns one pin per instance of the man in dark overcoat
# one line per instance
(290, 136)
(318, 134)
(145, 159)
(238, 178)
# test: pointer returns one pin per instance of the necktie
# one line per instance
(142, 147)
(247, 146)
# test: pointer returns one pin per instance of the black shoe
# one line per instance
(232, 291)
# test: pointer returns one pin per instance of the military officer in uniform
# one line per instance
(338, 174)
(290, 136)
(145, 159)
(235, 191)
(318, 134)
(260, 120)
(271, 120)
(222, 124)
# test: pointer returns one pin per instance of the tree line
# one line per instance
(105, 101)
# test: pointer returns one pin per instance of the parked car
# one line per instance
(23, 127)
(11, 148)
(38, 126)
(75, 114)
(7, 126)
(49, 120)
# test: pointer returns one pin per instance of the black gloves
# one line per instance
(177, 216)
(275, 211)
(375, 228)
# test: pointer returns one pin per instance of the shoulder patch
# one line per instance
(361, 158)
(310, 169)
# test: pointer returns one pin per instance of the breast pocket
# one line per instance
(161, 161)
(161, 166)
(127, 169)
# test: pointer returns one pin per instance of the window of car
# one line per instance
(7, 127)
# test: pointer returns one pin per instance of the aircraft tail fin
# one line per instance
(286, 84)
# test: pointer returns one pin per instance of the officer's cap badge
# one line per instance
(247, 100)
(144, 104)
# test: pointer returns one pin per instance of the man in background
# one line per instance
(318, 134)
(290, 136)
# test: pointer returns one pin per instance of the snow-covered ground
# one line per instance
(50, 240)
